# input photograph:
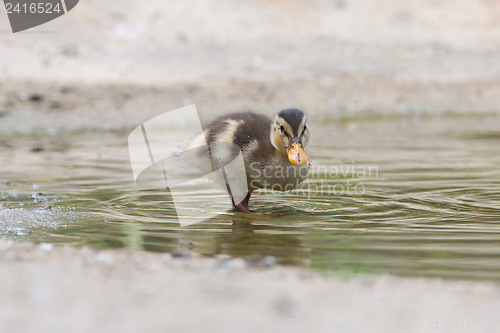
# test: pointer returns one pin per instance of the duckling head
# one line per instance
(289, 135)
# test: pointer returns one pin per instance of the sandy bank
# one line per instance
(64, 289)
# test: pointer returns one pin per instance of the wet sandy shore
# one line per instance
(48, 109)
(65, 289)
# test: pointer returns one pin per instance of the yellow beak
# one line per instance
(296, 154)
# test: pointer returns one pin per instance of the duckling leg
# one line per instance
(243, 206)
(247, 199)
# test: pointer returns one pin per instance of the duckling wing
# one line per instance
(232, 133)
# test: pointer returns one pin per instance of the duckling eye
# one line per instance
(282, 129)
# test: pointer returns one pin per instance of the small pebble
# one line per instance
(269, 261)
(71, 50)
(237, 263)
(22, 97)
(36, 97)
(67, 90)
(266, 262)
(233, 264)
(103, 257)
(39, 197)
(181, 254)
(45, 247)
(254, 260)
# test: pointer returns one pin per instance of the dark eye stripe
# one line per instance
(282, 130)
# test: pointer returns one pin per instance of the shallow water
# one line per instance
(417, 197)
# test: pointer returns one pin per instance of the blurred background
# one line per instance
(408, 88)
(112, 65)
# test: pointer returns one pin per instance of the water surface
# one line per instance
(418, 197)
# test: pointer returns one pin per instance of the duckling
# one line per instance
(272, 149)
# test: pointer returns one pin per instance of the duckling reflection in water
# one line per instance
(272, 149)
